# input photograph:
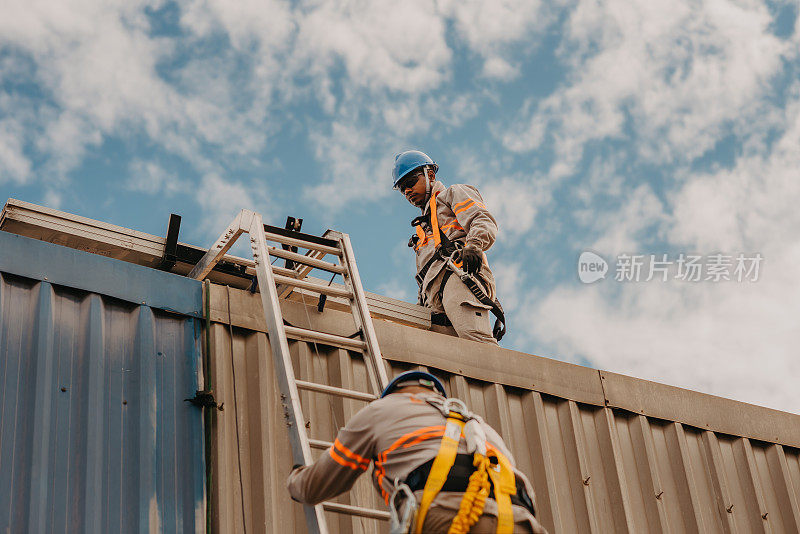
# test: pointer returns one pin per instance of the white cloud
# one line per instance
(515, 203)
(677, 72)
(497, 67)
(398, 46)
(508, 275)
(632, 223)
(97, 66)
(354, 173)
(733, 339)
(14, 165)
(489, 28)
(220, 200)
(105, 72)
(752, 205)
(397, 289)
(150, 177)
(52, 199)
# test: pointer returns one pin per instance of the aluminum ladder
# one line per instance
(275, 282)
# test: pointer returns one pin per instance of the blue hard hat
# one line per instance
(407, 161)
(421, 377)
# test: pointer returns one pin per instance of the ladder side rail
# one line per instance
(301, 449)
(361, 313)
(221, 246)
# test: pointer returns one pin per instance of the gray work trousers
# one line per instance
(470, 318)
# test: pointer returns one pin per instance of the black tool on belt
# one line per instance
(458, 479)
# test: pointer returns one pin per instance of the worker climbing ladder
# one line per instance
(275, 282)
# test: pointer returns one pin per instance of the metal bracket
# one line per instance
(171, 246)
(204, 399)
(292, 224)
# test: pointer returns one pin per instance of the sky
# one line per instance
(624, 129)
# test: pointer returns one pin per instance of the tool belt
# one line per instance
(445, 249)
(458, 479)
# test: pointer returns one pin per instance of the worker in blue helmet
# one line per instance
(452, 233)
(432, 457)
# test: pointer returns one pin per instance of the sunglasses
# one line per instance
(409, 181)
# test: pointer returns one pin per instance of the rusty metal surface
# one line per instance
(594, 468)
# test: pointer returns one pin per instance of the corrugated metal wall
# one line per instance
(95, 436)
(605, 453)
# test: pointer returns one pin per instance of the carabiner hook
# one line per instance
(400, 523)
(456, 405)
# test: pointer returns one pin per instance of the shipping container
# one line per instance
(98, 355)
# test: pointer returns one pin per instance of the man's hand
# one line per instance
(472, 258)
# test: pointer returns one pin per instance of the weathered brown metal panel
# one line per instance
(687, 464)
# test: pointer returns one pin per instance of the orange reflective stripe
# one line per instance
(402, 439)
(423, 437)
(350, 454)
(452, 226)
(463, 202)
(468, 206)
(380, 470)
(437, 239)
(346, 463)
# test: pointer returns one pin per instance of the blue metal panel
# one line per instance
(81, 270)
(94, 433)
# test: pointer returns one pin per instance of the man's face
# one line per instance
(413, 187)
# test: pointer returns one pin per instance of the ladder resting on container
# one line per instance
(275, 283)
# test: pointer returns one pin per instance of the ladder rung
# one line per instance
(329, 339)
(312, 286)
(306, 260)
(283, 271)
(291, 241)
(356, 510)
(320, 443)
(333, 390)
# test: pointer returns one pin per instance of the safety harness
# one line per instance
(489, 463)
(447, 250)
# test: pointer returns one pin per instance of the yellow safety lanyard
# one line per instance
(501, 474)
